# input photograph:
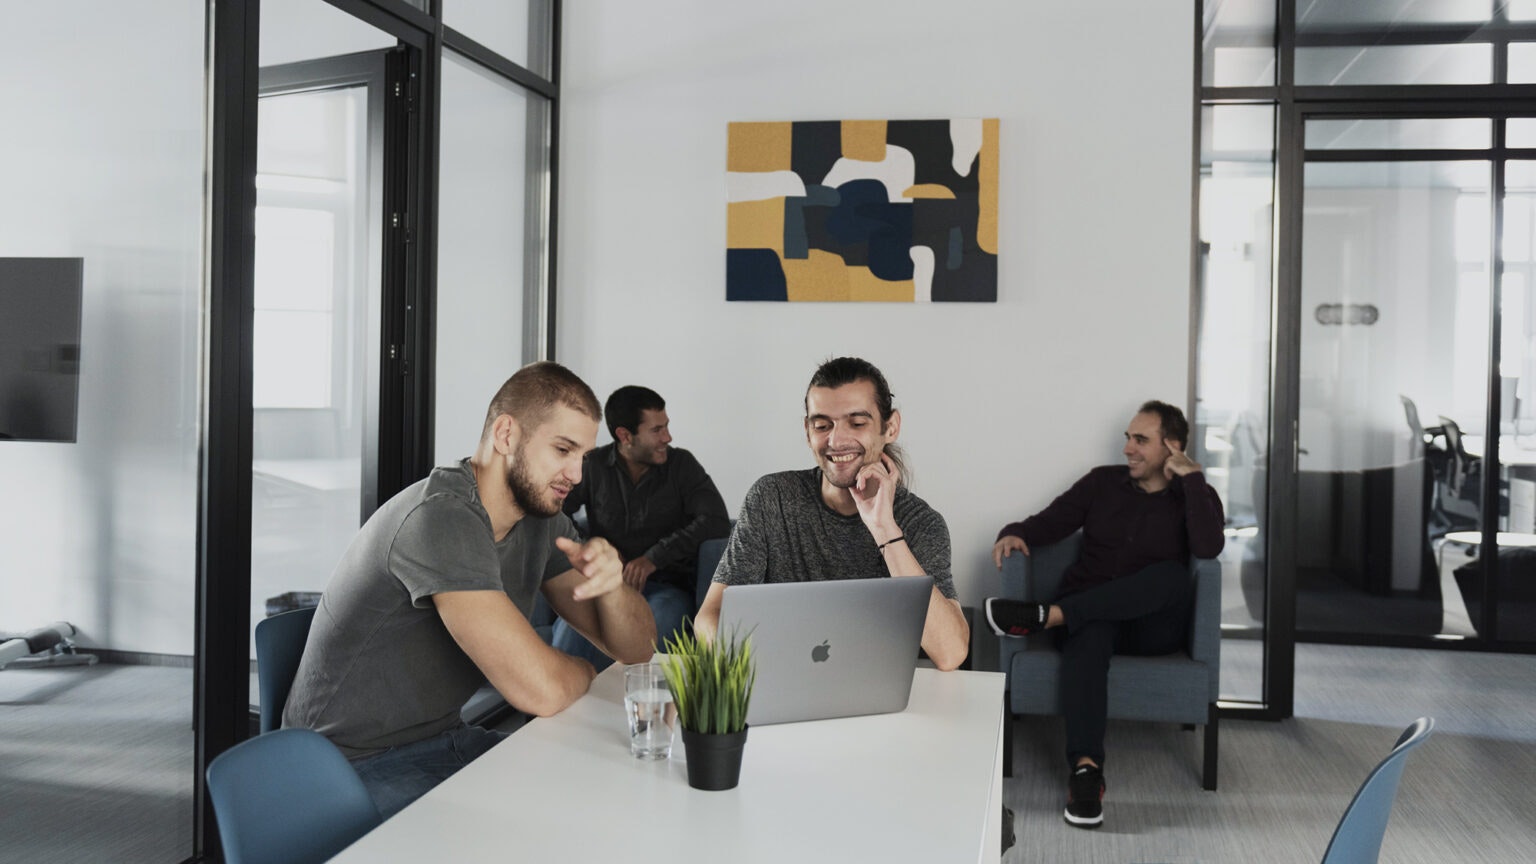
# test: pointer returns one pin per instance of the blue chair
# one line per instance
(710, 553)
(279, 645)
(1174, 688)
(287, 797)
(1357, 840)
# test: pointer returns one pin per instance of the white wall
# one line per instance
(1004, 404)
(103, 160)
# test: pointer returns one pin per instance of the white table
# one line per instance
(1513, 449)
(924, 785)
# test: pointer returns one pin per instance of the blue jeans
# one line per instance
(400, 775)
(669, 604)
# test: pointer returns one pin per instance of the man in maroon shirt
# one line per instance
(1129, 592)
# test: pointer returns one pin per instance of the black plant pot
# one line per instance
(714, 759)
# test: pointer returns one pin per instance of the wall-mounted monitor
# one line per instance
(40, 301)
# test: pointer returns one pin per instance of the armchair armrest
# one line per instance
(1036, 577)
(1016, 580)
(1016, 586)
(1205, 618)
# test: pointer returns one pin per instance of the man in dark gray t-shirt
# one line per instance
(433, 597)
(848, 518)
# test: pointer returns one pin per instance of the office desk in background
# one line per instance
(924, 785)
(1513, 449)
(1517, 468)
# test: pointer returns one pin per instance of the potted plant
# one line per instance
(711, 685)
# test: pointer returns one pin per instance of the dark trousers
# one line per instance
(1143, 614)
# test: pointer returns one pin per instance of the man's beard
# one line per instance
(525, 491)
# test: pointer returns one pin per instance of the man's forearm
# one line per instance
(946, 635)
(626, 627)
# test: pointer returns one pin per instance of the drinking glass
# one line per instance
(652, 715)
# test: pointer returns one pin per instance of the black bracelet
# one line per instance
(897, 538)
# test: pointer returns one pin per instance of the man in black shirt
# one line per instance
(1129, 592)
(654, 503)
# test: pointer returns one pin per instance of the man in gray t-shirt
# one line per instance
(850, 517)
(434, 594)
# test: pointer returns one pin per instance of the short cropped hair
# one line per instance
(839, 371)
(533, 393)
(626, 404)
(1172, 420)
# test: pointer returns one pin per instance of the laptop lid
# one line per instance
(838, 648)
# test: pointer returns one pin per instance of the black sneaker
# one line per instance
(1015, 617)
(1085, 797)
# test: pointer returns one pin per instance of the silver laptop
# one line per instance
(829, 649)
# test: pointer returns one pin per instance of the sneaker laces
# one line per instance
(1086, 784)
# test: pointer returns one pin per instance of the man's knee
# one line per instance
(1090, 640)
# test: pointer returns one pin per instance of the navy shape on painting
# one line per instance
(754, 274)
(866, 228)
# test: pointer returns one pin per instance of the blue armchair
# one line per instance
(1174, 688)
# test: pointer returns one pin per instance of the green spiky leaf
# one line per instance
(711, 682)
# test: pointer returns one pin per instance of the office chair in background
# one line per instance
(279, 645)
(1465, 480)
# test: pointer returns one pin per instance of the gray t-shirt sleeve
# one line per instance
(927, 535)
(745, 561)
(442, 546)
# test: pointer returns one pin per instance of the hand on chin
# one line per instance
(870, 490)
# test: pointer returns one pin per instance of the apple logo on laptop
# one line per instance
(821, 652)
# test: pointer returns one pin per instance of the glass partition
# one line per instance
(1516, 578)
(1239, 45)
(1232, 401)
(1394, 353)
(1421, 133)
(318, 265)
(494, 164)
(516, 29)
(102, 163)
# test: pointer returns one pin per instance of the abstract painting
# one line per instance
(862, 210)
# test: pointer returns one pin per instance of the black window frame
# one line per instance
(221, 699)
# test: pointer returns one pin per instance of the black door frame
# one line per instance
(221, 697)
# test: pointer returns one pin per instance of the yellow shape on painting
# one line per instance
(755, 225)
(824, 278)
(864, 140)
(758, 147)
(986, 177)
(820, 277)
(866, 287)
(928, 190)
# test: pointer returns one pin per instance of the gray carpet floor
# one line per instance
(1466, 794)
(95, 766)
